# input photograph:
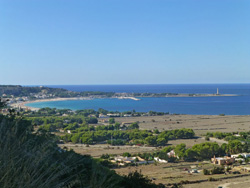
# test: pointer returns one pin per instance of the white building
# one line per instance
(171, 154)
(245, 155)
(157, 159)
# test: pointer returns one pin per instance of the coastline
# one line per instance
(132, 98)
(23, 105)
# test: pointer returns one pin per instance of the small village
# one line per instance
(235, 164)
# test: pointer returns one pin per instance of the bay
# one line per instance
(233, 105)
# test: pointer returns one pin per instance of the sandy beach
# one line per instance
(132, 98)
(24, 104)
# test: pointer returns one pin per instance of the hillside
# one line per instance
(45, 92)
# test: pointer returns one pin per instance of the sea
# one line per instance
(228, 105)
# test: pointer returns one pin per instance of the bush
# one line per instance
(111, 120)
(126, 154)
(212, 179)
(105, 156)
(206, 172)
(218, 170)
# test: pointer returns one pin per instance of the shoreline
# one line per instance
(23, 105)
(132, 98)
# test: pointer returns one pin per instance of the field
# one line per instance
(176, 172)
(99, 149)
(242, 182)
(201, 124)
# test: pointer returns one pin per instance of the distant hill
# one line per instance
(21, 91)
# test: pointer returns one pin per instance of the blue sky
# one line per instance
(124, 41)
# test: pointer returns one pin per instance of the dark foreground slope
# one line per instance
(34, 160)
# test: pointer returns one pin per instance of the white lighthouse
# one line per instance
(217, 91)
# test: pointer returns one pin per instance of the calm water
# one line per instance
(239, 105)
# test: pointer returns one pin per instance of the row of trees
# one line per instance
(241, 136)
(203, 151)
(133, 136)
(208, 149)
(54, 123)
(86, 112)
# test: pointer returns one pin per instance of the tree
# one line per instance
(151, 140)
(75, 138)
(218, 170)
(117, 126)
(134, 125)
(168, 149)
(180, 150)
(235, 146)
(206, 172)
(111, 120)
(156, 131)
(91, 120)
(190, 155)
(126, 154)
(161, 141)
(224, 148)
(206, 150)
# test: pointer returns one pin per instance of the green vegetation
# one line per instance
(203, 151)
(215, 170)
(46, 92)
(207, 150)
(34, 92)
(127, 135)
(241, 136)
(34, 160)
(82, 127)
(237, 141)
(29, 159)
(86, 113)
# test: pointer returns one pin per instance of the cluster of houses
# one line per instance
(122, 161)
(230, 160)
(223, 160)
(121, 115)
(114, 115)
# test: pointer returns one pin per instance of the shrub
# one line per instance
(206, 172)
(212, 179)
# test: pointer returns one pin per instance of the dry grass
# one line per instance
(201, 124)
(99, 149)
(174, 173)
(243, 182)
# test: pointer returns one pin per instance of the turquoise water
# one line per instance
(182, 105)
(238, 105)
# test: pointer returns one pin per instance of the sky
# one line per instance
(63, 42)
